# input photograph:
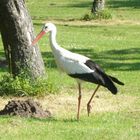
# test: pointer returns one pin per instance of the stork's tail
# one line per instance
(116, 80)
(108, 82)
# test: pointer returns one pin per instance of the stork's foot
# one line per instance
(88, 108)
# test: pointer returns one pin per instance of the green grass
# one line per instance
(54, 9)
(114, 44)
(99, 126)
(71, 9)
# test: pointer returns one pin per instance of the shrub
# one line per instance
(24, 86)
(104, 14)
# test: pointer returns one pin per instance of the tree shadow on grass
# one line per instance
(80, 4)
(115, 60)
(122, 3)
(124, 60)
(53, 119)
(110, 3)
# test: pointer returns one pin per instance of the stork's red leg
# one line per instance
(79, 100)
(88, 104)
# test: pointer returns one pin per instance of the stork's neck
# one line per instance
(56, 49)
(53, 42)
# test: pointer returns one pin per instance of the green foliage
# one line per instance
(104, 14)
(24, 86)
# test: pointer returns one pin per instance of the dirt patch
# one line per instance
(27, 108)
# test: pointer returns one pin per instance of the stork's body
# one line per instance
(78, 66)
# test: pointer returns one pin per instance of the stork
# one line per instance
(78, 66)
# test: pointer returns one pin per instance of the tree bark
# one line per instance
(97, 5)
(17, 34)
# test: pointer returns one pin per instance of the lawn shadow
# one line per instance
(121, 59)
(53, 119)
(115, 60)
(121, 3)
(49, 119)
(80, 4)
(71, 120)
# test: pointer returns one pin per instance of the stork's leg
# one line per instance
(79, 100)
(88, 104)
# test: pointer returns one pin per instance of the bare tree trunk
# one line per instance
(17, 34)
(98, 5)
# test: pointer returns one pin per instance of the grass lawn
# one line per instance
(115, 45)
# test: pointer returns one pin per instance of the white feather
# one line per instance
(68, 62)
(71, 63)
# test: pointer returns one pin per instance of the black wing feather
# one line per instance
(98, 77)
(116, 80)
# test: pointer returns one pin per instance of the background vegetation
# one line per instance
(112, 43)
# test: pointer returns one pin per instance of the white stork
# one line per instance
(78, 66)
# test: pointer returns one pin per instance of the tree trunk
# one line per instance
(17, 34)
(98, 5)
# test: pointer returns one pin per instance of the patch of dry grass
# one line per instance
(94, 22)
(66, 104)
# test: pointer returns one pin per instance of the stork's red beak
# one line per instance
(38, 37)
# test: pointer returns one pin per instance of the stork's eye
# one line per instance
(46, 27)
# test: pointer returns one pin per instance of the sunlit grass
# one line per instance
(114, 44)
(71, 10)
(104, 126)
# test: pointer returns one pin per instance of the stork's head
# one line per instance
(48, 27)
